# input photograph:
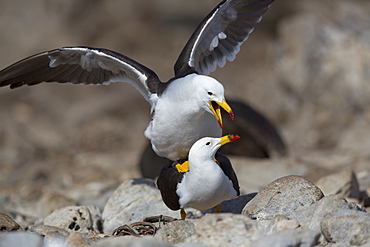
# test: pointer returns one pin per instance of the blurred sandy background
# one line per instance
(306, 67)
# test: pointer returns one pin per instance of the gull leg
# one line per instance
(218, 209)
(183, 214)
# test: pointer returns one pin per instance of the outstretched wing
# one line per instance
(220, 35)
(80, 65)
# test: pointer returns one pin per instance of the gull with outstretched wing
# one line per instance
(185, 108)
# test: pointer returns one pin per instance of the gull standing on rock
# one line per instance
(206, 183)
(187, 107)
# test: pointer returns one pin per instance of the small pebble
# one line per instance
(44, 230)
(8, 224)
(71, 219)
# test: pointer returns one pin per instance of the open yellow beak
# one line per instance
(215, 108)
(227, 138)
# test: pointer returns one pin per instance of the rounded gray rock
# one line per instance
(133, 200)
(71, 219)
(224, 229)
(350, 227)
(176, 231)
(284, 196)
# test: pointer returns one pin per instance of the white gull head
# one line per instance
(187, 110)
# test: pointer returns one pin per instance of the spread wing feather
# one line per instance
(219, 36)
(80, 65)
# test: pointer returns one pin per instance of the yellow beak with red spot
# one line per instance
(227, 138)
(215, 108)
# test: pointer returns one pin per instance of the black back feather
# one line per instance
(167, 182)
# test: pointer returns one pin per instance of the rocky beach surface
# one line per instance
(69, 155)
(290, 211)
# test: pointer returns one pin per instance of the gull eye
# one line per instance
(210, 93)
(208, 143)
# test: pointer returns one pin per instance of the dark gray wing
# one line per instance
(227, 168)
(167, 182)
(220, 35)
(80, 65)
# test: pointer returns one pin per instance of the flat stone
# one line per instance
(176, 231)
(133, 200)
(286, 238)
(44, 230)
(343, 183)
(74, 218)
(8, 224)
(277, 223)
(129, 241)
(350, 227)
(20, 238)
(284, 196)
(311, 217)
(224, 229)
